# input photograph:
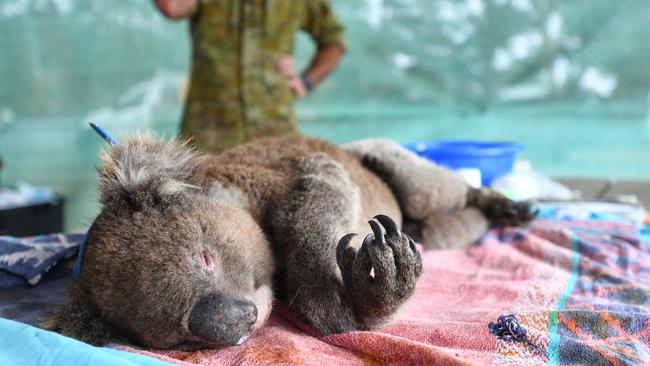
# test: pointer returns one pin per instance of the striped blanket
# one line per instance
(580, 288)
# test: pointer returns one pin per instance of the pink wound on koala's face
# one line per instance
(208, 262)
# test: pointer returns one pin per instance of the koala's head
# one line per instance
(172, 260)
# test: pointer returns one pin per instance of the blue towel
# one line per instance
(25, 260)
(24, 345)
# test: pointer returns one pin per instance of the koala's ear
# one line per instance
(146, 171)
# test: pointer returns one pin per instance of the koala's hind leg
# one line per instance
(420, 186)
(448, 230)
(423, 188)
(333, 289)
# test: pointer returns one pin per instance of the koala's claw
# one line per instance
(377, 233)
(396, 263)
(392, 230)
(345, 254)
(390, 225)
(345, 241)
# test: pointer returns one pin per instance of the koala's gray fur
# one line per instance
(189, 249)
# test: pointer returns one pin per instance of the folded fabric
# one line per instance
(24, 260)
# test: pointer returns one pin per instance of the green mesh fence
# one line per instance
(569, 79)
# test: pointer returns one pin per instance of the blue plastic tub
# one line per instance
(493, 159)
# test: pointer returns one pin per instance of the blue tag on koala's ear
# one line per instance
(76, 271)
(103, 134)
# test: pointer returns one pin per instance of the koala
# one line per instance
(190, 250)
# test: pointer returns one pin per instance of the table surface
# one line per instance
(603, 188)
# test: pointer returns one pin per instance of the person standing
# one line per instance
(243, 79)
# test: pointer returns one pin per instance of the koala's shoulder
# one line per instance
(276, 156)
(268, 166)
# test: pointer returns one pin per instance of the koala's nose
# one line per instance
(219, 318)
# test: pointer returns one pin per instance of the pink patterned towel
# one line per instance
(581, 289)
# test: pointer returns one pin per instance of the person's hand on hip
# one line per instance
(294, 81)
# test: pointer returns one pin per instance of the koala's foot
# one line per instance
(396, 264)
(500, 210)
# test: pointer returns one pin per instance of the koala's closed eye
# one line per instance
(207, 260)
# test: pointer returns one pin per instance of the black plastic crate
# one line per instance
(42, 218)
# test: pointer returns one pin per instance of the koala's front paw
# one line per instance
(500, 210)
(396, 263)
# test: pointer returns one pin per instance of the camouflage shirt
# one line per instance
(236, 92)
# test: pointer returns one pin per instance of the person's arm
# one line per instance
(326, 30)
(324, 61)
(177, 9)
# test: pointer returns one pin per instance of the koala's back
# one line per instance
(266, 170)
